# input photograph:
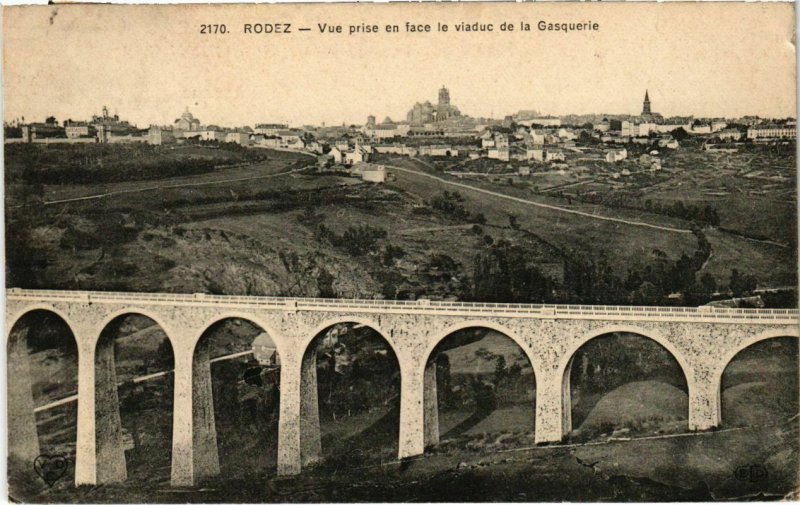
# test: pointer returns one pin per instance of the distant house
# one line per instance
(537, 137)
(615, 155)
(554, 155)
(325, 161)
(209, 134)
(395, 149)
(717, 126)
(771, 131)
(314, 147)
(356, 155)
(602, 126)
(264, 350)
(730, 135)
(535, 154)
(502, 154)
(297, 144)
(76, 129)
(669, 143)
(369, 172)
(158, 136)
(336, 154)
(270, 129)
(240, 138)
(438, 150)
(386, 130)
(566, 134)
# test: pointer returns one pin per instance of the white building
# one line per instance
(211, 135)
(628, 129)
(501, 141)
(386, 131)
(438, 150)
(314, 147)
(730, 134)
(669, 143)
(602, 126)
(565, 134)
(75, 130)
(537, 137)
(336, 154)
(554, 155)
(502, 154)
(541, 121)
(771, 132)
(270, 129)
(356, 155)
(717, 126)
(615, 155)
(535, 153)
(240, 138)
(369, 172)
(265, 351)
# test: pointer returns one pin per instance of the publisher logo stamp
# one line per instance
(751, 473)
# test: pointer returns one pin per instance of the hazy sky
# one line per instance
(149, 62)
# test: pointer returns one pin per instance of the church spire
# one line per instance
(646, 104)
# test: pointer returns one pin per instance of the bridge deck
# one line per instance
(704, 313)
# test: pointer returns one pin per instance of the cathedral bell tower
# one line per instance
(444, 96)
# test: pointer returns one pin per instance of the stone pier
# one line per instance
(23, 439)
(702, 340)
(110, 453)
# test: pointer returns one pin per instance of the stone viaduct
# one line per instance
(702, 340)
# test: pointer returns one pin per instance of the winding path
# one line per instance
(172, 186)
(538, 204)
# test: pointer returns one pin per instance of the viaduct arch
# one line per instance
(430, 388)
(702, 340)
(566, 366)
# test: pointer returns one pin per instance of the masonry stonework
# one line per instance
(702, 341)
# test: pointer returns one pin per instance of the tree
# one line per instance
(51, 120)
(499, 368)
(443, 375)
(647, 294)
(741, 284)
(325, 283)
(709, 283)
(679, 134)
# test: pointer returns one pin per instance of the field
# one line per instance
(765, 250)
(701, 467)
(274, 226)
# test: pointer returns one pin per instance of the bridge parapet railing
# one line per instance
(546, 310)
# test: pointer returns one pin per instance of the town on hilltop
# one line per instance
(546, 261)
(440, 131)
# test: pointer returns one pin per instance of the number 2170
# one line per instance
(211, 29)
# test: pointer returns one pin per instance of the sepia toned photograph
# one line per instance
(432, 252)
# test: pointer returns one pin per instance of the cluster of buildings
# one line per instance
(435, 130)
(101, 128)
(772, 131)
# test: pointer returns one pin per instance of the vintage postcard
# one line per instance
(533, 252)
